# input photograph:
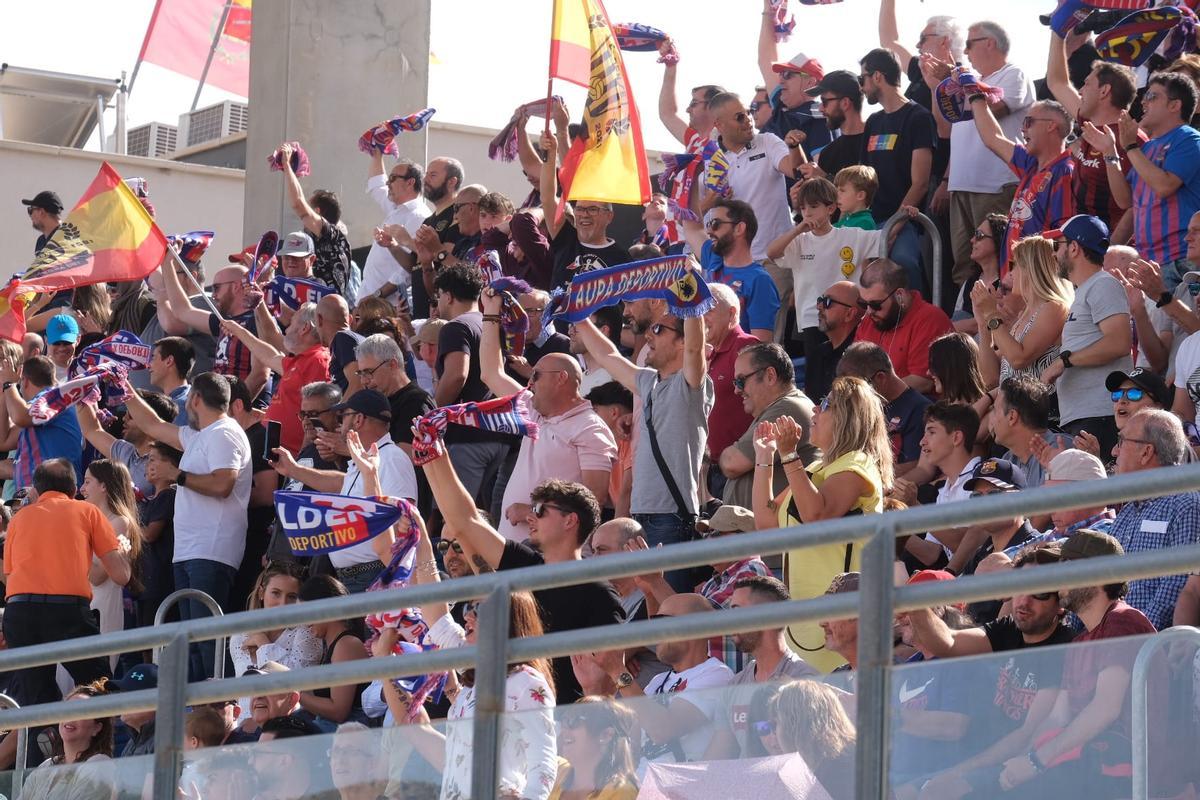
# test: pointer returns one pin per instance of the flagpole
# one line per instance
(200, 289)
(549, 69)
(212, 52)
(145, 41)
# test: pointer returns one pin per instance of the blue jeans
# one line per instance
(667, 529)
(216, 580)
(907, 253)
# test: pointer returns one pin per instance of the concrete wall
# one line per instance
(329, 70)
(186, 196)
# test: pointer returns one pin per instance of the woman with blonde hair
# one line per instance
(851, 478)
(108, 486)
(809, 719)
(594, 739)
(1027, 344)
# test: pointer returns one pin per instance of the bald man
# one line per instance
(574, 444)
(838, 316)
(333, 328)
(235, 300)
(684, 725)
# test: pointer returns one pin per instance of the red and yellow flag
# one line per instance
(237, 24)
(608, 165)
(107, 237)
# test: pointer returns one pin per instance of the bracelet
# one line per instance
(976, 96)
(430, 564)
(789, 459)
(763, 465)
(491, 317)
(1129, 148)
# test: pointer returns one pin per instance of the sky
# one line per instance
(487, 59)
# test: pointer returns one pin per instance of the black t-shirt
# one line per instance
(906, 424)
(408, 404)
(156, 570)
(443, 223)
(332, 263)
(566, 608)
(572, 257)
(917, 90)
(821, 366)
(888, 145)
(259, 518)
(1003, 634)
(341, 353)
(555, 343)
(462, 335)
(844, 151)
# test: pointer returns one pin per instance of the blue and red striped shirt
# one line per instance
(1044, 199)
(1160, 224)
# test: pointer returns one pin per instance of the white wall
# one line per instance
(185, 196)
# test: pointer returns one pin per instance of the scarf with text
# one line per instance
(85, 389)
(317, 523)
(638, 38)
(1167, 30)
(295, 292)
(668, 278)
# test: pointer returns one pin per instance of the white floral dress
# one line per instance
(295, 648)
(528, 748)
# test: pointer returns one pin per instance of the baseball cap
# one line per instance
(1086, 543)
(1145, 380)
(430, 330)
(839, 82)
(368, 402)
(928, 575)
(62, 328)
(801, 63)
(1002, 474)
(47, 201)
(1087, 231)
(1075, 465)
(845, 582)
(297, 243)
(143, 676)
(728, 519)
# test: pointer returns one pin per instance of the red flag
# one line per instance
(180, 36)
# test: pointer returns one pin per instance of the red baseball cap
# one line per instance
(927, 575)
(801, 63)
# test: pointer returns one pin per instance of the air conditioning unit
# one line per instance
(153, 140)
(212, 123)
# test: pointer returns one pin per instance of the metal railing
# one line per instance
(205, 599)
(935, 239)
(874, 605)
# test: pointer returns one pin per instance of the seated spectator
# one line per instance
(342, 640)
(770, 660)
(85, 742)
(765, 380)
(133, 448)
(593, 737)
(58, 437)
(266, 707)
(900, 321)
(840, 635)
(986, 244)
(838, 316)
(980, 541)
(954, 367)
(728, 419)
(354, 764)
(903, 406)
(203, 727)
(284, 771)
(1154, 439)
(809, 718)
(143, 676)
(1021, 415)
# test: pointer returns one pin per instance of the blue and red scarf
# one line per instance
(503, 146)
(512, 415)
(1169, 30)
(382, 137)
(85, 389)
(668, 278)
(300, 164)
(295, 292)
(638, 38)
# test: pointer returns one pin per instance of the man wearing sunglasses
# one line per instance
(840, 98)
(44, 211)
(838, 316)
(787, 84)
(758, 164)
(1025, 688)
(672, 430)
(398, 195)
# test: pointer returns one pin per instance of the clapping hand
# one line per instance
(366, 460)
(10, 370)
(764, 443)
(1088, 443)
(788, 434)
(1127, 126)
(1147, 276)
(1101, 139)
(984, 300)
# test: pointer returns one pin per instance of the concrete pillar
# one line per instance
(321, 73)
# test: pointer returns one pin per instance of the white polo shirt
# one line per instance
(397, 478)
(755, 178)
(381, 267)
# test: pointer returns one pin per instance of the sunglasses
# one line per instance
(658, 327)
(826, 302)
(1132, 394)
(739, 381)
(446, 545)
(764, 727)
(460, 206)
(827, 100)
(1193, 288)
(540, 509)
(471, 607)
(876, 305)
(393, 178)
(715, 224)
(1028, 121)
(755, 106)
(979, 236)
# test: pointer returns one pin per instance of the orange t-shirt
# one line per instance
(624, 462)
(50, 545)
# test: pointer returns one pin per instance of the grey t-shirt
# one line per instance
(681, 426)
(739, 491)
(1081, 391)
(739, 695)
(127, 454)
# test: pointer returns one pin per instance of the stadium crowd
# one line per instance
(824, 381)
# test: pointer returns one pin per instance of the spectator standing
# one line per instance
(381, 368)
(899, 320)
(898, 144)
(672, 430)
(47, 559)
(1096, 338)
(544, 339)
(444, 178)
(517, 238)
(333, 328)
(321, 215)
(45, 212)
(765, 380)
(158, 530)
(213, 493)
(841, 100)
(397, 192)
(171, 362)
(62, 337)
(788, 85)
(838, 316)
(903, 406)
(1152, 439)
(58, 437)
(133, 448)
(728, 419)
(573, 443)
(164, 324)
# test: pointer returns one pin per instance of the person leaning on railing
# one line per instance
(850, 429)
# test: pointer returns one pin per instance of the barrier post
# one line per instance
(491, 673)
(873, 685)
(168, 718)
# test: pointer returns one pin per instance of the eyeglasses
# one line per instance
(392, 178)
(1122, 439)
(1044, 596)
(590, 211)
(534, 310)
(471, 607)
(979, 236)
(1028, 121)
(537, 373)
(824, 405)
(788, 74)
(29, 210)
(976, 39)
(540, 508)
(925, 36)
(303, 415)
(715, 223)
(739, 381)
(369, 373)
(1146, 98)
(764, 727)
(445, 545)
(658, 327)
(1132, 394)
(460, 206)
(755, 105)
(876, 305)
(1193, 288)
(826, 302)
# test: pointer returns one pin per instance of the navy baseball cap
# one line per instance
(143, 676)
(47, 201)
(1004, 475)
(368, 402)
(1144, 379)
(1088, 232)
(839, 82)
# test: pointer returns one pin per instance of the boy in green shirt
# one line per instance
(856, 187)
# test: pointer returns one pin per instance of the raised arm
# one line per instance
(601, 348)
(775, 249)
(267, 329)
(1058, 79)
(668, 105)
(549, 185)
(264, 352)
(96, 436)
(693, 234)
(889, 33)
(989, 129)
(1162, 182)
(695, 366)
(150, 423)
(309, 218)
(768, 49)
(179, 305)
(491, 360)
(14, 403)
(458, 509)
(937, 637)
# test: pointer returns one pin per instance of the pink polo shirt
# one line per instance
(567, 445)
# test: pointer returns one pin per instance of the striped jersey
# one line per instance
(1045, 197)
(1160, 224)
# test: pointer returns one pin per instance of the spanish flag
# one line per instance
(608, 164)
(107, 237)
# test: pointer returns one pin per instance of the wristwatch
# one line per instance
(1035, 762)
(1114, 160)
(994, 323)
(1164, 299)
(9, 384)
(440, 258)
(181, 480)
(1065, 357)
(623, 680)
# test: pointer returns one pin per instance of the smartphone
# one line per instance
(274, 428)
(317, 424)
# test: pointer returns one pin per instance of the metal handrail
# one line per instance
(935, 238)
(214, 609)
(1140, 708)
(490, 658)
(22, 756)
